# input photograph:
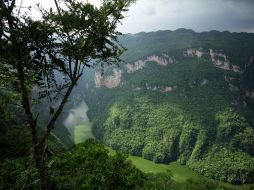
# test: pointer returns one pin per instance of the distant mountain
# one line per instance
(180, 96)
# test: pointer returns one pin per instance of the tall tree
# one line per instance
(45, 58)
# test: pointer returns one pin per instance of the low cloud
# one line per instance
(200, 15)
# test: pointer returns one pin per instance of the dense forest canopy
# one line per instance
(181, 96)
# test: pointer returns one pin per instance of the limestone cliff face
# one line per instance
(204, 82)
(251, 62)
(167, 89)
(160, 60)
(219, 60)
(134, 67)
(110, 81)
(191, 52)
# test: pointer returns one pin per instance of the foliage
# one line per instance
(89, 166)
(226, 165)
(186, 123)
(18, 173)
(46, 57)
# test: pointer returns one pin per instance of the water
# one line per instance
(78, 123)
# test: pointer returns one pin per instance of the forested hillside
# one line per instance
(180, 96)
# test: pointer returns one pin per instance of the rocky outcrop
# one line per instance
(233, 87)
(164, 89)
(228, 79)
(111, 81)
(220, 60)
(191, 52)
(251, 62)
(250, 94)
(167, 89)
(160, 60)
(137, 89)
(134, 67)
(163, 60)
(204, 82)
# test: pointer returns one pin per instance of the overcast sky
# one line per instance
(199, 15)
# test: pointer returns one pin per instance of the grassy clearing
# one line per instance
(179, 172)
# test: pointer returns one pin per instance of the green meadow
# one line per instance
(179, 172)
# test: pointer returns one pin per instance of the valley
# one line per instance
(121, 95)
(190, 110)
(182, 110)
(185, 98)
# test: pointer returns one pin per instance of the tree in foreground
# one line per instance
(44, 58)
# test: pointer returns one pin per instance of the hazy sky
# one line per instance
(199, 15)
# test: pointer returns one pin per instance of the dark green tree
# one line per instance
(44, 59)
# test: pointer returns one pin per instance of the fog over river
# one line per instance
(78, 123)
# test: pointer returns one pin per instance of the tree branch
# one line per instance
(52, 122)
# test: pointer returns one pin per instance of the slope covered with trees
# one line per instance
(181, 96)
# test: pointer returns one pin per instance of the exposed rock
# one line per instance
(250, 94)
(167, 89)
(159, 88)
(218, 63)
(155, 88)
(160, 60)
(136, 89)
(204, 82)
(199, 54)
(221, 61)
(134, 67)
(111, 81)
(251, 61)
(191, 52)
(233, 88)
(236, 68)
(229, 79)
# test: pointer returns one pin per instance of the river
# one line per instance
(78, 123)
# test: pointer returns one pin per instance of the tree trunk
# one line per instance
(41, 164)
(42, 168)
(38, 144)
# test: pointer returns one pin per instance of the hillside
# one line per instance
(180, 96)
